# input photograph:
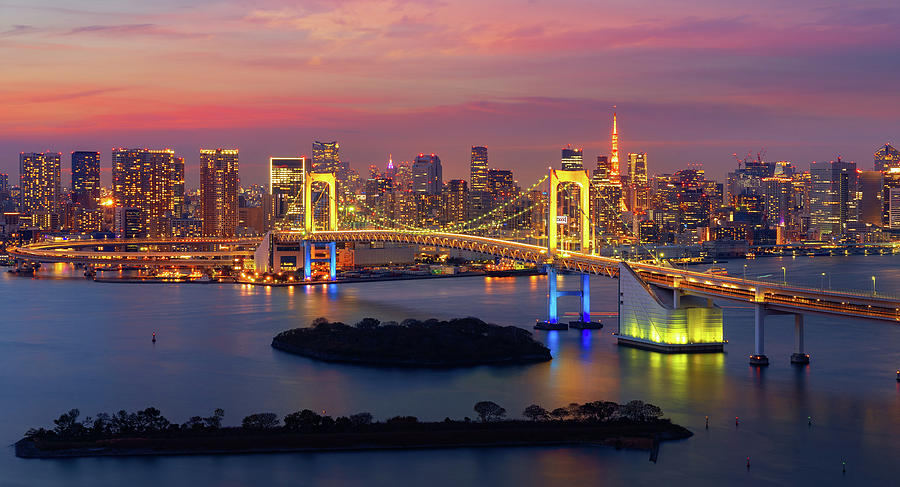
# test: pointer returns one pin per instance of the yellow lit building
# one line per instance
(219, 183)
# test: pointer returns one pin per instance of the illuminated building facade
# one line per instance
(778, 194)
(456, 202)
(887, 157)
(326, 157)
(478, 177)
(833, 196)
(86, 178)
(219, 183)
(614, 154)
(572, 159)
(890, 180)
(638, 188)
(39, 187)
(146, 179)
(286, 177)
(427, 175)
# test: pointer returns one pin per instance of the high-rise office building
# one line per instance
(890, 180)
(219, 185)
(145, 179)
(456, 202)
(638, 185)
(833, 202)
(326, 156)
(572, 159)
(871, 186)
(887, 157)
(478, 174)
(39, 187)
(286, 177)
(427, 175)
(86, 178)
(778, 193)
(478, 169)
(4, 183)
(178, 201)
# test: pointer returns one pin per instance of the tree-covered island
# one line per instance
(632, 425)
(413, 343)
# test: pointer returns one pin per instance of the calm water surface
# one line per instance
(66, 342)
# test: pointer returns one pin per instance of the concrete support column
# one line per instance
(307, 259)
(332, 260)
(586, 298)
(676, 298)
(759, 352)
(799, 356)
(552, 316)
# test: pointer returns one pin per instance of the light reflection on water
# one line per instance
(66, 342)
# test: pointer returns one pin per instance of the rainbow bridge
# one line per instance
(661, 307)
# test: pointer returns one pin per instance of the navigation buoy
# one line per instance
(154, 337)
(898, 376)
(736, 421)
(707, 422)
(809, 420)
(843, 466)
(748, 463)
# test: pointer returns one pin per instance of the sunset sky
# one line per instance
(693, 81)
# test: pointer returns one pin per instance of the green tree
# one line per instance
(535, 413)
(489, 411)
(260, 421)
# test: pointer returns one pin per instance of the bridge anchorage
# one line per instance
(661, 308)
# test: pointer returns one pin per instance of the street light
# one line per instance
(745, 272)
(823, 280)
(873, 286)
(784, 275)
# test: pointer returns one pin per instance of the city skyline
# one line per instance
(692, 85)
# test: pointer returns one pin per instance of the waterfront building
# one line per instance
(427, 175)
(871, 186)
(39, 187)
(129, 222)
(890, 179)
(572, 159)
(778, 194)
(886, 158)
(219, 183)
(86, 178)
(833, 202)
(146, 179)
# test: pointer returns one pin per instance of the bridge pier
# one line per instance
(663, 320)
(759, 352)
(553, 294)
(799, 356)
(309, 249)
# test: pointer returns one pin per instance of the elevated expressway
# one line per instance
(775, 296)
(150, 252)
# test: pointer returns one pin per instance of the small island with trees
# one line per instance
(635, 425)
(413, 343)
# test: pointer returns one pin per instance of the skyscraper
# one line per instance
(145, 179)
(286, 176)
(86, 178)
(478, 169)
(326, 156)
(572, 159)
(638, 187)
(887, 157)
(478, 174)
(832, 196)
(219, 185)
(39, 186)
(456, 202)
(427, 175)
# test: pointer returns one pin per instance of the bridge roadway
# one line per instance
(778, 297)
(775, 296)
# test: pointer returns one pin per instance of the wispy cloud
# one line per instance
(18, 30)
(133, 30)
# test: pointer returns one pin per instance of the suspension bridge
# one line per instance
(661, 307)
